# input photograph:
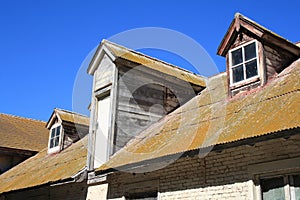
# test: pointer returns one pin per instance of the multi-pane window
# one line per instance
(54, 137)
(285, 187)
(243, 62)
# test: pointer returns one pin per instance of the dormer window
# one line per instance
(243, 63)
(65, 128)
(55, 138)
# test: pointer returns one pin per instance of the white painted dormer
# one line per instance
(65, 128)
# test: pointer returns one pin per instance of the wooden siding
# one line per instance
(144, 96)
(104, 73)
(272, 60)
(276, 59)
(73, 133)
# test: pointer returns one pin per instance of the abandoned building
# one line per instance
(234, 135)
(59, 168)
(19, 139)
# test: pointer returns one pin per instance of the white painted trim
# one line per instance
(246, 80)
(100, 52)
(59, 146)
(283, 168)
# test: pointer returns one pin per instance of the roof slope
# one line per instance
(43, 168)
(153, 63)
(68, 116)
(22, 133)
(211, 118)
(73, 117)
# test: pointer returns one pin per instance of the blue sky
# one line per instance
(43, 43)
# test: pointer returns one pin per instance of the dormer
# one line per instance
(131, 91)
(254, 55)
(65, 128)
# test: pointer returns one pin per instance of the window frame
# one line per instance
(58, 147)
(288, 179)
(246, 80)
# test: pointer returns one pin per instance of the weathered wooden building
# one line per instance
(160, 132)
(237, 139)
(131, 91)
(21, 138)
(57, 171)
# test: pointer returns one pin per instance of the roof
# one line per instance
(46, 168)
(212, 119)
(68, 116)
(256, 29)
(22, 133)
(145, 60)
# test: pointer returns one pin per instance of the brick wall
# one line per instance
(70, 191)
(220, 175)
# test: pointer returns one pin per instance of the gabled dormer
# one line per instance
(65, 128)
(254, 54)
(131, 91)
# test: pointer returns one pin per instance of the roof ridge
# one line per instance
(21, 117)
(71, 112)
(153, 58)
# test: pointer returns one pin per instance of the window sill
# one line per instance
(244, 83)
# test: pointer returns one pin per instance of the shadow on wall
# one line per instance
(229, 169)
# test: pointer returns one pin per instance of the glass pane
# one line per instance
(52, 132)
(57, 131)
(273, 189)
(251, 69)
(51, 142)
(56, 141)
(237, 74)
(237, 57)
(250, 51)
(297, 186)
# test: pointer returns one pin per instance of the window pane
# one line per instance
(251, 69)
(250, 51)
(237, 57)
(52, 132)
(51, 142)
(237, 74)
(56, 139)
(297, 186)
(273, 189)
(57, 131)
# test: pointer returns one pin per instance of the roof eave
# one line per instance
(258, 30)
(100, 52)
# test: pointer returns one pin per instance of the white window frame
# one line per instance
(289, 190)
(58, 147)
(246, 80)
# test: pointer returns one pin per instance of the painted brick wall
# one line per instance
(220, 175)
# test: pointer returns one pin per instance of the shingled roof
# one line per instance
(44, 168)
(22, 133)
(212, 118)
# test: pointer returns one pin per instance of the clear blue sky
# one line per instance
(43, 43)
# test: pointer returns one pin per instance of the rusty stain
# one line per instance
(153, 63)
(272, 108)
(69, 116)
(43, 168)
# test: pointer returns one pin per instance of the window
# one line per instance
(243, 63)
(143, 196)
(54, 139)
(281, 188)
